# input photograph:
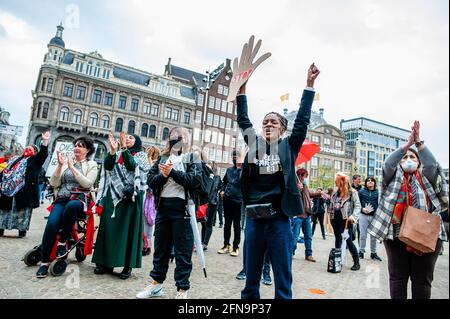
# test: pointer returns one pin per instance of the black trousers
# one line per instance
(315, 217)
(207, 225)
(232, 214)
(173, 229)
(338, 227)
(403, 265)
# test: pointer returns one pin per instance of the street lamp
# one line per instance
(209, 80)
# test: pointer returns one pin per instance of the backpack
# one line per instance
(207, 190)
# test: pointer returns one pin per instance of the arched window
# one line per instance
(39, 110)
(77, 116)
(144, 130)
(64, 114)
(105, 121)
(45, 110)
(93, 119)
(131, 127)
(152, 131)
(100, 152)
(165, 134)
(119, 125)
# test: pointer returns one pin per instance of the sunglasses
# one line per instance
(80, 145)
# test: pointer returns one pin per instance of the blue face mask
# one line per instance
(305, 181)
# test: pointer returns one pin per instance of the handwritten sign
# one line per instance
(66, 149)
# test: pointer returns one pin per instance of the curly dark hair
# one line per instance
(86, 142)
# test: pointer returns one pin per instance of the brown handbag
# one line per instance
(419, 229)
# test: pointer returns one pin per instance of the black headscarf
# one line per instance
(137, 147)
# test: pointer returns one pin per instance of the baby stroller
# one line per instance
(81, 240)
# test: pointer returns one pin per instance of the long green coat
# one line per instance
(119, 239)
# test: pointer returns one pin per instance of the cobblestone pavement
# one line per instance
(311, 280)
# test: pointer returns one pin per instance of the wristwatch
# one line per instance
(418, 144)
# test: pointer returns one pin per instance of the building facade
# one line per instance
(334, 156)
(8, 141)
(84, 94)
(372, 142)
(215, 127)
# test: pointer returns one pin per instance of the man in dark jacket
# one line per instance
(15, 211)
(232, 200)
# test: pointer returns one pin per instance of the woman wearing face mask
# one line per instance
(368, 196)
(19, 192)
(70, 175)
(121, 192)
(270, 192)
(174, 178)
(417, 173)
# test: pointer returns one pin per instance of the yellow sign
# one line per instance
(284, 97)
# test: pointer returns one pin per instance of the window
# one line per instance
(314, 173)
(134, 105)
(93, 119)
(327, 162)
(154, 110)
(45, 110)
(81, 92)
(39, 110)
(168, 113)
(119, 125)
(218, 156)
(216, 120)
(68, 89)
(225, 90)
(224, 106)
(222, 122)
(77, 116)
(228, 123)
(315, 161)
(225, 157)
(50, 85)
(315, 139)
(209, 119)
(337, 165)
(211, 102)
(338, 144)
(144, 130)
(175, 114)
(218, 104)
(97, 96)
(348, 167)
(200, 99)
(187, 117)
(165, 134)
(122, 102)
(105, 121)
(233, 142)
(226, 141)
(362, 153)
(44, 81)
(152, 131)
(109, 98)
(326, 141)
(207, 136)
(230, 107)
(214, 137)
(220, 89)
(198, 116)
(64, 114)
(196, 134)
(220, 139)
(131, 127)
(147, 107)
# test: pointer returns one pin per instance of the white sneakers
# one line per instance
(182, 294)
(153, 290)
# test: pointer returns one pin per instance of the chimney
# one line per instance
(169, 67)
(285, 111)
(321, 112)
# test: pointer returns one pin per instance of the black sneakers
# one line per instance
(42, 271)
(361, 255)
(241, 275)
(22, 233)
(266, 280)
(375, 257)
(101, 270)
(126, 273)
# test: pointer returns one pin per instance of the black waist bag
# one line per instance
(260, 211)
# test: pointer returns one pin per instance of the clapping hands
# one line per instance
(368, 209)
(166, 168)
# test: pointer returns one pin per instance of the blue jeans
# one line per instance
(62, 217)
(304, 224)
(41, 192)
(275, 236)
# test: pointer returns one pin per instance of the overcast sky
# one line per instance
(382, 59)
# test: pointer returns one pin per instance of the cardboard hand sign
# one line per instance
(244, 67)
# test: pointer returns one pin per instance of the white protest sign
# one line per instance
(66, 149)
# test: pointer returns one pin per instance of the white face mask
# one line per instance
(305, 181)
(410, 166)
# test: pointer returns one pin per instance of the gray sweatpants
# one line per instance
(364, 221)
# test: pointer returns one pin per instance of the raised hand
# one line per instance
(122, 139)
(45, 138)
(70, 162)
(313, 73)
(244, 68)
(416, 130)
(112, 144)
(60, 157)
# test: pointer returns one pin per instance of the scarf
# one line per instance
(116, 179)
(149, 209)
(13, 179)
(381, 226)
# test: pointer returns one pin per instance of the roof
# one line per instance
(315, 121)
(373, 121)
(131, 76)
(187, 74)
(57, 41)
